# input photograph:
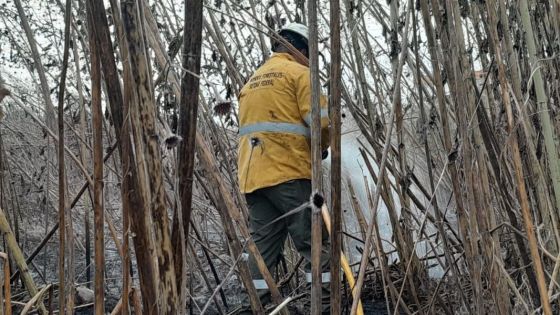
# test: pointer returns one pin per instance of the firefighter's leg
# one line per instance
(269, 240)
(288, 196)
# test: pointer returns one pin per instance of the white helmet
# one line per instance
(297, 28)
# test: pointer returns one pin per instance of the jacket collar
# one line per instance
(285, 56)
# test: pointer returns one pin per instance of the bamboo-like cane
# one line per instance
(136, 303)
(188, 108)
(119, 306)
(201, 143)
(335, 72)
(98, 207)
(386, 146)
(316, 184)
(66, 260)
(1, 305)
(7, 289)
(150, 185)
(34, 300)
(17, 255)
(38, 65)
(281, 306)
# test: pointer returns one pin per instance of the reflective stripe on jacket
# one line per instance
(274, 124)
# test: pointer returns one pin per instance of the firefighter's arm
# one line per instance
(303, 94)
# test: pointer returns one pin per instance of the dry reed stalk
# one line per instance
(7, 305)
(358, 66)
(316, 177)
(228, 214)
(212, 266)
(543, 197)
(335, 72)
(443, 111)
(192, 46)
(499, 291)
(53, 230)
(440, 93)
(98, 210)
(389, 288)
(118, 308)
(62, 188)
(465, 107)
(119, 101)
(382, 169)
(83, 153)
(511, 284)
(119, 105)
(362, 223)
(19, 259)
(529, 226)
(136, 300)
(210, 165)
(36, 298)
(402, 238)
(213, 30)
(207, 281)
(403, 234)
(148, 157)
(51, 297)
(542, 101)
(386, 185)
(45, 91)
(81, 167)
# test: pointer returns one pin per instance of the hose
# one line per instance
(343, 261)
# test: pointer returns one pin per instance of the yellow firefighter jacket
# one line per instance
(274, 124)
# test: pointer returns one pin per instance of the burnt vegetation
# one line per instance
(118, 155)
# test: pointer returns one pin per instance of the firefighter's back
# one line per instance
(274, 135)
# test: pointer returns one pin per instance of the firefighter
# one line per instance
(275, 158)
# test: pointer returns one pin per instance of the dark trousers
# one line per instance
(267, 204)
